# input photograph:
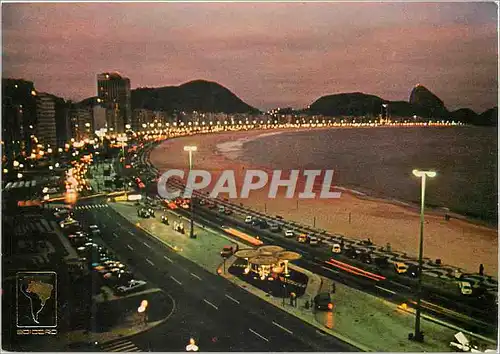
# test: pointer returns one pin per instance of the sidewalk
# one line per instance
(361, 319)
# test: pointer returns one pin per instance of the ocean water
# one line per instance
(379, 162)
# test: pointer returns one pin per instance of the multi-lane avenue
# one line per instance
(218, 314)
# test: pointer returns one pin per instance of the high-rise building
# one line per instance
(63, 123)
(113, 93)
(82, 122)
(46, 119)
(18, 115)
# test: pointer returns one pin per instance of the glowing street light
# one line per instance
(190, 149)
(192, 347)
(418, 336)
(19, 175)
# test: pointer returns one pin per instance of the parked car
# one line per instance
(228, 211)
(400, 267)
(323, 301)
(222, 208)
(465, 287)
(132, 285)
(289, 233)
(248, 219)
(336, 248)
(211, 205)
(202, 202)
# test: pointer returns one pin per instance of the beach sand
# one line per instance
(456, 242)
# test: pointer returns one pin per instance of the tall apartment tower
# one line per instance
(113, 93)
(46, 119)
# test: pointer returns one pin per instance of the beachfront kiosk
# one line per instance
(267, 261)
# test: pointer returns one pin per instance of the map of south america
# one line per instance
(36, 299)
(43, 291)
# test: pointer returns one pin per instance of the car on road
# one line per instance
(143, 213)
(94, 230)
(273, 227)
(164, 219)
(131, 286)
(365, 258)
(289, 233)
(228, 251)
(336, 248)
(151, 212)
(465, 287)
(248, 219)
(69, 222)
(202, 202)
(313, 241)
(382, 262)
(351, 253)
(323, 301)
(302, 238)
(400, 267)
(412, 271)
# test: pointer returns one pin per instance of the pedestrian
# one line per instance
(481, 269)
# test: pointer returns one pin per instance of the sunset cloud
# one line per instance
(285, 54)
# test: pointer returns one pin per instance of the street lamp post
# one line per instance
(190, 150)
(423, 175)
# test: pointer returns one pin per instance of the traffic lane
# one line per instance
(267, 329)
(221, 291)
(191, 317)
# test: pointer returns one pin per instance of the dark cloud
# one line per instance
(269, 54)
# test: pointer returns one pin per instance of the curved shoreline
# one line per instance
(384, 221)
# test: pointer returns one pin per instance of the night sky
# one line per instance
(269, 54)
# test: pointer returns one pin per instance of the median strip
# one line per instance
(283, 328)
(208, 302)
(259, 335)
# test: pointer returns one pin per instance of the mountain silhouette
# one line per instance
(198, 95)
(427, 103)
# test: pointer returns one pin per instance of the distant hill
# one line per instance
(347, 104)
(198, 95)
(422, 102)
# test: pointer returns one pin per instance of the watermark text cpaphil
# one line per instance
(253, 180)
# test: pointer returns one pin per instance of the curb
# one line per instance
(312, 323)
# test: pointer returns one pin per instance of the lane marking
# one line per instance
(208, 302)
(233, 299)
(398, 284)
(194, 275)
(283, 328)
(130, 247)
(257, 334)
(147, 260)
(178, 282)
(330, 269)
(115, 235)
(384, 289)
(145, 244)
(168, 259)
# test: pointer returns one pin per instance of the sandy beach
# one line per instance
(456, 242)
